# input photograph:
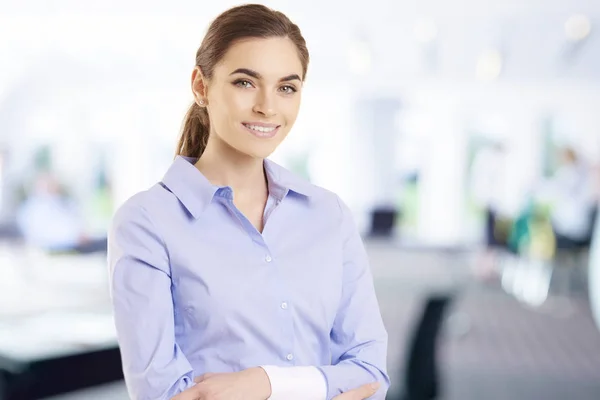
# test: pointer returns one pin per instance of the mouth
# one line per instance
(261, 130)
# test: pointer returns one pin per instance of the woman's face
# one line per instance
(253, 97)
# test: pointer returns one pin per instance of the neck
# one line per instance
(223, 165)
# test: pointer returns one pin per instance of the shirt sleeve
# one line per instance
(296, 383)
(140, 285)
(358, 338)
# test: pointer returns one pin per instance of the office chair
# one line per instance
(420, 376)
(383, 221)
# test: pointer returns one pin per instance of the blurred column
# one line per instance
(442, 182)
(376, 122)
(131, 161)
(355, 156)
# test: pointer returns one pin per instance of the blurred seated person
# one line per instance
(49, 219)
(490, 191)
(570, 196)
(594, 261)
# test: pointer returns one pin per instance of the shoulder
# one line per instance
(331, 201)
(141, 206)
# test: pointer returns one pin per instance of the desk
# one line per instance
(57, 333)
(56, 353)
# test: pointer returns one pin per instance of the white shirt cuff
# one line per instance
(296, 383)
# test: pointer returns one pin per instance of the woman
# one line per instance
(233, 278)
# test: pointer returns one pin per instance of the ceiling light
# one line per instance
(489, 65)
(425, 30)
(578, 27)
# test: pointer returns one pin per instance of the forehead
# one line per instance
(273, 58)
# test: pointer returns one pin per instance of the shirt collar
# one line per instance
(196, 192)
(281, 181)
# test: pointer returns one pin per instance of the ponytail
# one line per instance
(194, 135)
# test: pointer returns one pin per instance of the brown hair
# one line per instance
(237, 23)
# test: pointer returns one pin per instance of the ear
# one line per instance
(199, 87)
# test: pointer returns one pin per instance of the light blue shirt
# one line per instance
(196, 288)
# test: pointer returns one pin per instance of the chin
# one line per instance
(255, 151)
(263, 149)
(259, 153)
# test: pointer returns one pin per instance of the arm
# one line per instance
(140, 283)
(358, 336)
(295, 384)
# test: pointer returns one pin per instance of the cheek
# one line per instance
(291, 108)
(239, 102)
(231, 104)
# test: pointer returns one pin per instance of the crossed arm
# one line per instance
(236, 386)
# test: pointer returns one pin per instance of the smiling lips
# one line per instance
(261, 130)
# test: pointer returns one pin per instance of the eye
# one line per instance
(288, 89)
(243, 83)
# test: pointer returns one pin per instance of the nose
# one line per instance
(264, 104)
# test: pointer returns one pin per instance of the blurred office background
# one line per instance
(464, 135)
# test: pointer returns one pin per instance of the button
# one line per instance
(290, 357)
(284, 305)
(268, 258)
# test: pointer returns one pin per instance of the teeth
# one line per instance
(260, 128)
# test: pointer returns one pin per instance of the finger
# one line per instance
(204, 377)
(360, 393)
(189, 394)
(368, 390)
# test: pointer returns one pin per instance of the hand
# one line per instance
(249, 384)
(189, 394)
(360, 393)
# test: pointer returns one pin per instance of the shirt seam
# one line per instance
(159, 236)
(344, 240)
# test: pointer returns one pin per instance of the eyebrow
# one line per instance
(256, 75)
